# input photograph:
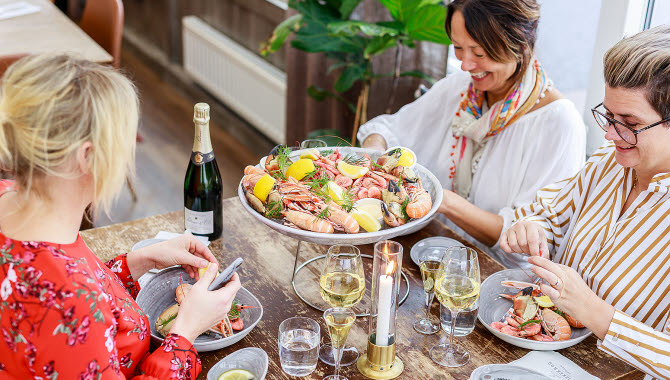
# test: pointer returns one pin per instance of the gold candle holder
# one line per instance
(380, 361)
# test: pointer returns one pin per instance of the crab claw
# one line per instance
(392, 214)
(519, 285)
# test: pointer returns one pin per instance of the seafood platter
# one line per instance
(341, 195)
(160, 298)
(515, 311)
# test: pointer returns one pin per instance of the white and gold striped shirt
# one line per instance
(624, 258)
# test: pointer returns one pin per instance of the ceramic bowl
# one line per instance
(253, 359)
(492, 308)
(159, 293)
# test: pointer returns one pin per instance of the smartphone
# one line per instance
(226, 275)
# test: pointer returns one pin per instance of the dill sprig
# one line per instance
(316, 179)
(164, 322)
(324, 214)
(528, 322)
(404, 207)
(352, 159)
(273, 210)
(326, 152)
(374, 165)
(283, 159)
(348, 200)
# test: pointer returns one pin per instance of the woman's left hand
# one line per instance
(184, 250)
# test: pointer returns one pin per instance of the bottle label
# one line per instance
(199, 222)
(201, 158)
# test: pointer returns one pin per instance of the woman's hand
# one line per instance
(525, 237)
(202, 309)
(374, 141)
(573, 296)
(184, 250)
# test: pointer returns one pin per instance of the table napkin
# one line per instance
(170, 235)
(16, 9)
(553, 365)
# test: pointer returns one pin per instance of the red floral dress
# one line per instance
(64, 314)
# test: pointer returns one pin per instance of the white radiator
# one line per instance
(245, 82)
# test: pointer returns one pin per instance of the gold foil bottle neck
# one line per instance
(201, 113)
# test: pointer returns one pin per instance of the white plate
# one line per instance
(492, 308)
(429, 181)
(430, 244)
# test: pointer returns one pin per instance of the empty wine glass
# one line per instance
(457, 287)
(313, 143)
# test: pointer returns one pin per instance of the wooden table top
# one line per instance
(48, 30)
(266, 272)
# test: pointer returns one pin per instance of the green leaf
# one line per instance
(378, 45)
(352, 28)
(427, 24)
(349, 76)
(347, 7)
(320, 94)
(279, 35)
(393, 6)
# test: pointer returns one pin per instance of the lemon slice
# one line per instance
(407, 158)
(371, 205)
(263, 187)
(237, 374)
(351, 171)
(544, 301)
(312, 154)
(366, 220)
(335, 192)
(201, 271)
(300, 168)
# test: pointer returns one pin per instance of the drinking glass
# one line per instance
(312, 143)
(342, 284)
(429, 262)
(339, 321)
(457, 287)
(465, 323)
(299, 345)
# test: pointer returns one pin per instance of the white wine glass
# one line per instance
(342, 284)
(313, 143)
(429, 262)
(457, 287)
(339, 321)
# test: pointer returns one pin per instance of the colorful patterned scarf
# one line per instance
(473, 126)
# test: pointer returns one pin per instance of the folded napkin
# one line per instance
(553, 365)
(170, 235)
(16, 9)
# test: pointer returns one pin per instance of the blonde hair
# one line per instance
(52, 104)
(642, 61)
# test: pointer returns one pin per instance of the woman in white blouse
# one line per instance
(607, 229)
(494, 134)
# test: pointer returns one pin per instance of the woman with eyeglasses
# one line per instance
(607, 229)
(494, 134)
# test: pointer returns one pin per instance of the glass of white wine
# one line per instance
(339, 321)
(457, 287)
(342, 284)
(429, 262)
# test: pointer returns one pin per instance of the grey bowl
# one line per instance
(254, 360)
(429, 181)
(492, 308)
(159, 293)
(431, 244)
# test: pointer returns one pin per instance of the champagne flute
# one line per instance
(342, 284)
(429, 262)
(339, 321)
(457, 287)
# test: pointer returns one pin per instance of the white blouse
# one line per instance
(540, 148)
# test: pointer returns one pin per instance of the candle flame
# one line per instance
(389, 268)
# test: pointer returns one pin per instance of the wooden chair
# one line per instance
(102, 20)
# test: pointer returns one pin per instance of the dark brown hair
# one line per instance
(642, 62)
(505, 29)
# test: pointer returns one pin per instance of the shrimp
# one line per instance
(555, 325)
(307, 221)
(419, 204)
(253, 170)
(341, 219)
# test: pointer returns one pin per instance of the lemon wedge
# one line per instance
(407, 158)
(300, 168)
(351, 171)
(237, 374)
(263, 187)
(201, 271)
(544, 301)
(366, 220)
(371, 205)
(336, 192)
(312, 154)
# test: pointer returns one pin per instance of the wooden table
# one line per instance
(266, 272)
(48, 30)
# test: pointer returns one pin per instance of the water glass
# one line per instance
(465, 321)
(299, 345)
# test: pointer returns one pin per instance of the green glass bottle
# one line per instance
(203, 200)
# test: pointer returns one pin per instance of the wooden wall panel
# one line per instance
(150, 20)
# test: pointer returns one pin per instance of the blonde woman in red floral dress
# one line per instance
(67, 133)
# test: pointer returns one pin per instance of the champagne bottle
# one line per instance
(203, 201)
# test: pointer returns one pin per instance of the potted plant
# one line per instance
(325, 26)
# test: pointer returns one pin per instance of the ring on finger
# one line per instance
(555, 285)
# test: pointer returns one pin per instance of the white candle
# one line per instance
(384, 306)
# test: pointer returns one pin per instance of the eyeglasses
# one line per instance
(628, 134)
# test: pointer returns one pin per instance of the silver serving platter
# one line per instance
(159, 293)
(429, 181)
(492, 308)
